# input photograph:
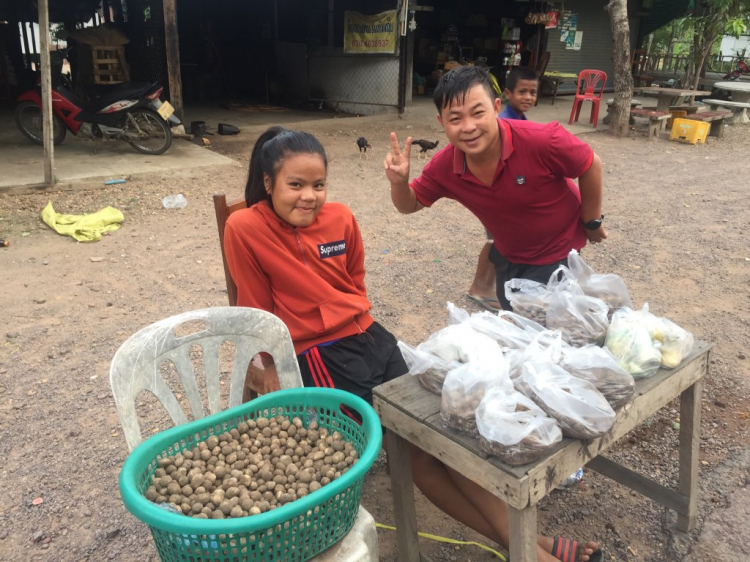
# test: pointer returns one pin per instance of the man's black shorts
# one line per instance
(356, 364)
(505, 271)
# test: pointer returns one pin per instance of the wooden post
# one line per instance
(522, 526)
(399, 461)
(47, 117)
(172, 41)
(331, 21)
(690, 440)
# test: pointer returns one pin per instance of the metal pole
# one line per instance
(47, 117)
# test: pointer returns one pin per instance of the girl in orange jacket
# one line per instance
(294, 255)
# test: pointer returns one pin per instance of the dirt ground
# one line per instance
(678, 220)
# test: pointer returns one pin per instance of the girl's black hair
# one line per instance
(268, 153)
(454, 85)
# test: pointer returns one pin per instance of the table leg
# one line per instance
(556, 83)
(663, 102)
(690, 428)
(402, 489)
(522, 523)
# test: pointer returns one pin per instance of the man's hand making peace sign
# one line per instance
(397, 164)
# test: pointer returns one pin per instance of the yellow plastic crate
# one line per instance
(688, 130)
(676, 114)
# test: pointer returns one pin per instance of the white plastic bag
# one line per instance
(430, 369)
(579, 408)
(456, 315)
(459, 342)
(513, 428)
(581, 319)
(528, 298)
(465, 387)
(629, 340)
(605, 286)
(598, 366)
(673, 342)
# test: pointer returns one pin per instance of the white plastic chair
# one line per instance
(135, 367)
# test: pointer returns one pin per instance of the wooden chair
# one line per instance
(590, 88)
(256, 381)
(541, 68)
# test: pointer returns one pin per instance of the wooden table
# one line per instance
(664, 96)
(558, 78)
(412, 415)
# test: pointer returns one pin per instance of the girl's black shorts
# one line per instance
(356, 364)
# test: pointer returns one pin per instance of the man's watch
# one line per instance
(593, 224)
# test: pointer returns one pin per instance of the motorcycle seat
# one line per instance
(110, 94)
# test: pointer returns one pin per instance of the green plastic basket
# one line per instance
(294, 532)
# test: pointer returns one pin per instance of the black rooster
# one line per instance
(425, 145)
(363, 146)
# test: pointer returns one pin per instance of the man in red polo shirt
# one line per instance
(515, 176)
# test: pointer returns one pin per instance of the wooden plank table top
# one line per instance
(412, 414)
(664, 96)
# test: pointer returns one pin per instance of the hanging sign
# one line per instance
(370, 34)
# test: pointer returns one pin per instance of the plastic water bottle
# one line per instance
(571, 480)
(174, 201)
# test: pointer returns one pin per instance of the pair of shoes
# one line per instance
(567, 550)
(493, 305)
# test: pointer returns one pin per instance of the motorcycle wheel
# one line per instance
(29, 121)
(146, 131)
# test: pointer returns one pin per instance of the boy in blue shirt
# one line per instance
(521, 89)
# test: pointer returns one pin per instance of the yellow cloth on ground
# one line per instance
(84, 228)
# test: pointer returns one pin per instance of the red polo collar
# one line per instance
(506, 149)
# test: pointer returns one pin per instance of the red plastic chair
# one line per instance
(590, 88)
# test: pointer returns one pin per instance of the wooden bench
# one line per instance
(634, 103)
(716, 118)
(657, 120)
(738, 109)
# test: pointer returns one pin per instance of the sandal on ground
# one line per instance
(493, 305)
(568, 550)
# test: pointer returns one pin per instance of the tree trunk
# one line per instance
(620, 117)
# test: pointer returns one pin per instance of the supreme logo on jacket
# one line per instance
(332, 249)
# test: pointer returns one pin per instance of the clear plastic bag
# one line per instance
(673, 342)
(605, 286)
(522, 322)
(579, 408)
(598, 366)
(430, 369)
(465, 387)
(528, 298)
(629, 340)
(546, 346)
(514, 428)
(582, 319)
(504, 332)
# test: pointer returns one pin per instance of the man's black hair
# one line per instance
(520, 73)
(453, 86)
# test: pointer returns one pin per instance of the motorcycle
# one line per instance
(726, 95)
(131, 111)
